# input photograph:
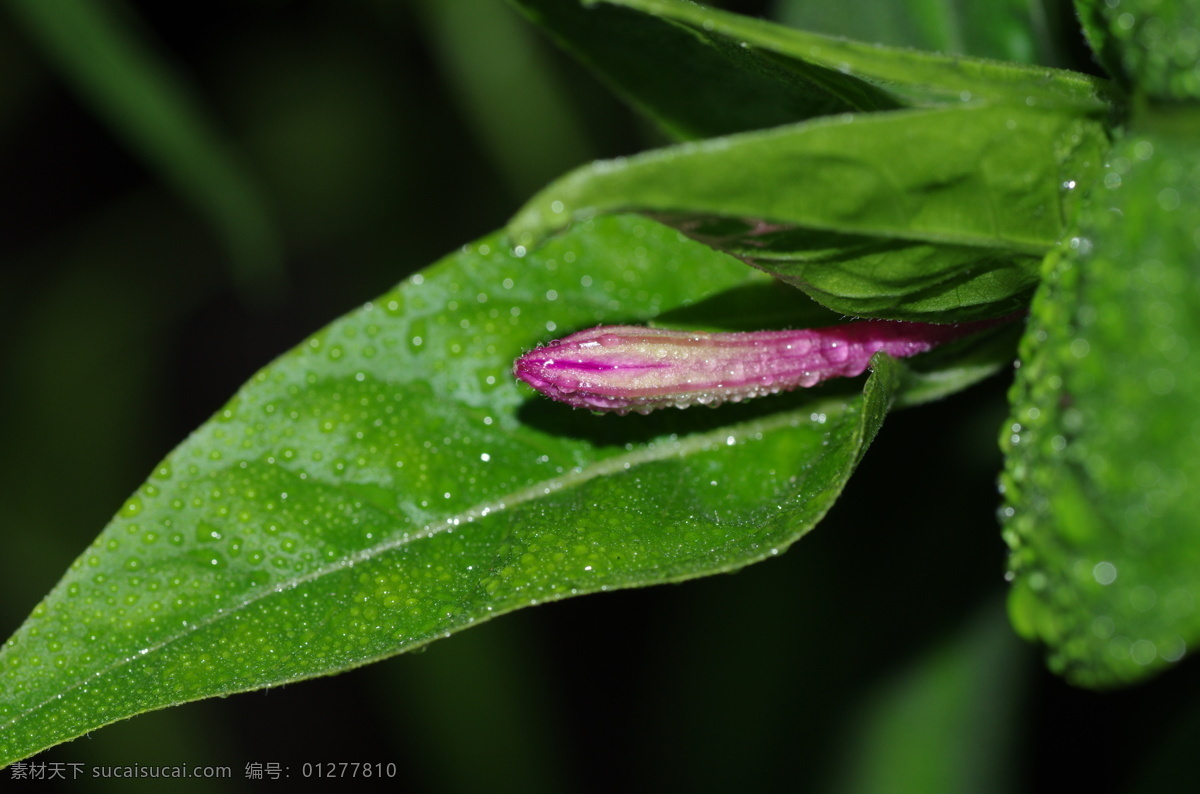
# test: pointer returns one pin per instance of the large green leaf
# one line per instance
(985, 177)
(1102, 465)
(387, 483)
(847, 193)
(745, 73)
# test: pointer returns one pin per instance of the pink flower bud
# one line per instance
(626, 368)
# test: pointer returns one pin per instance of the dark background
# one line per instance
(380, 136)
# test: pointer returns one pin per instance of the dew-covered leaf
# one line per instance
(1147, 45)
(1102, 467)
(388, 483)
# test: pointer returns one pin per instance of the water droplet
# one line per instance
(1105, 573)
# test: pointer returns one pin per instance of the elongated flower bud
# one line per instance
(626, 368)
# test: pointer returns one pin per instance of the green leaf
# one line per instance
(979, 190)
(387, 483)
(1102, 464)
(913, 282)
(745, 73)
(136, 91)
(1105, 48)
(985, 177)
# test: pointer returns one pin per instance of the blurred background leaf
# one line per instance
(100, 52)
(962, 693)
(1028, 31)
(125, 331)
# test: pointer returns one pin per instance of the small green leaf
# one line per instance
(913, 282)
(388, 483)
(1102, 464)
(1105, 48)
(872, 277)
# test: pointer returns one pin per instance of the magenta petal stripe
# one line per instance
(624, 368)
